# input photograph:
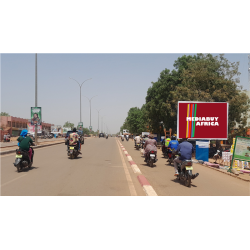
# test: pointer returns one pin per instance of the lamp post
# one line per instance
(98, 119)
(36, 97)
(90, 106)
(80, 94)
(102, 123)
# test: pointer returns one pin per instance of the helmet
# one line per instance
(74, 129)
(151, 136)
(173, 137)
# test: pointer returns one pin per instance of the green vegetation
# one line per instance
(201, 77)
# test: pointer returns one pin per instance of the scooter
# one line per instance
(73, 151)
(23, 160)
(186, 174)
(151, 158)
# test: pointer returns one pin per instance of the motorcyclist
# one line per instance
(137, 139)
(150, 145)
(173, 144)
(74, 138)
(186, 149)
(24, 143)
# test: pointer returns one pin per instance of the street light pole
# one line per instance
(90, 106)
(80, 95)
(98, 119)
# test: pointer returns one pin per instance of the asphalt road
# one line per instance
(208, 183)
(101, 170)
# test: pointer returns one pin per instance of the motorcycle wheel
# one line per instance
(188, 181)
(151, 163)
(19, 168)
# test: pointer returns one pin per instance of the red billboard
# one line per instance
(202, 120)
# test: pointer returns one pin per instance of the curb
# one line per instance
(141, 178)
(227, 173)
(41, 146)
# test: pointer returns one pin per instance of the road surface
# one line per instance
(103, 170)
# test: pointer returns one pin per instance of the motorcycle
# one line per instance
(73, 151)
(122, 138)
(186, 174)
(23, 160)
(127, 138)
(151, 158)
(106, 137)
(6, 139)
(138, 145)
(171, 156)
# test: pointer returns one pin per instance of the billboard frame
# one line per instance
(200, 138)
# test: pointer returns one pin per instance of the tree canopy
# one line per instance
(68, 125)
(201, 77)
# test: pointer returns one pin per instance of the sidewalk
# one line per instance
(12, 149)
(216, 167)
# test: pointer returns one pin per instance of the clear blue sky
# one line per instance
(120, 81)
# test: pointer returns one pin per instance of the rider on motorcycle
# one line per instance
(137, 139)
(150, 145)
(74, 138)
(24, 143)
(173, 144)
(186, 149)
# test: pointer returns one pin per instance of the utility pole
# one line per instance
(36, 96)
(98, 120)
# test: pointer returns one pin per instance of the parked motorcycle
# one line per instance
(73, 151)
(6, 139)
(151, 158)
(23, 160)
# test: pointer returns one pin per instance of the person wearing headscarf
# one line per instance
(150, 145)
(24, 143)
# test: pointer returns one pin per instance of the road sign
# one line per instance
(90, 128)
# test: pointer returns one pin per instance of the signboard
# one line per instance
(242, 149)
(80, 126)
(36, 116)
(241, 152)
(56, 129)
(31, 128)
(202, 144)
(90, 128)
(202, 120)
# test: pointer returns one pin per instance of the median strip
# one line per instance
(149, 190)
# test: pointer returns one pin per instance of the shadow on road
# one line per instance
(26, 169)
(182, 183)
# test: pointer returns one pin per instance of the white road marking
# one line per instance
(135, 169)
(129, 158)
(128, 177)
(149, 190)
(12, 180)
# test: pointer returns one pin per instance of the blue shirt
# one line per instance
(173, 144)
(186, 149)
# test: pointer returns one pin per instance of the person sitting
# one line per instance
(24, 143)
(173, 144)
(74, 139)
(150, 145)
(186, 149)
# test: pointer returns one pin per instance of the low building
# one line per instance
(14, 125)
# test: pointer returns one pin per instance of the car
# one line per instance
(101, 135)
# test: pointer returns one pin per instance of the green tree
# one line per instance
(213, 79)
(68, 125)
(4, 114)
(85, 131)
(136, 120)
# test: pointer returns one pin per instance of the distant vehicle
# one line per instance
(101, 135)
